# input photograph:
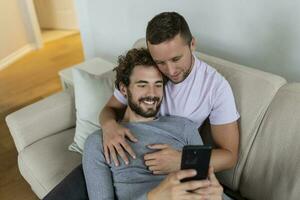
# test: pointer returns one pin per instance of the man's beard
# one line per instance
(136, 108)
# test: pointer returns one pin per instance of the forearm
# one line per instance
(222, 159)
(107, 116)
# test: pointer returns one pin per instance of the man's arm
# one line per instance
(112, 111)
(226, 138)
(113, 133)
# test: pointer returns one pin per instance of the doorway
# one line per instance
(56, 19)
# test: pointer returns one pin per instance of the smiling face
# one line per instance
(144, 93)
(173, 57)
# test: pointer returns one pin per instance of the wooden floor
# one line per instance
(28, 80)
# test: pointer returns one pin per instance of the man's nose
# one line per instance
(151, 91)
(171, 70)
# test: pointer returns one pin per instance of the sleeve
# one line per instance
(192, 136)
(223, 105)
(118, 95)
(98, 176)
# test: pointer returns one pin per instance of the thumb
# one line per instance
(130, 136)
(187, 173)
(211, 175)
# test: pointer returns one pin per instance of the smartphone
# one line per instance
(196, 157)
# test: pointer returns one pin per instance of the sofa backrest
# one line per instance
(272, 169)
(253, 90)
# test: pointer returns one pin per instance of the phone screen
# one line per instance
(196, 157)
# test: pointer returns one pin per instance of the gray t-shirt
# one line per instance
(135, 180)
(175, 131)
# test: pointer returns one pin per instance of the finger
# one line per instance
(202, 191)
(151, 156)
(106, 154)
(149, 163)
(193, 196)
(212, 177)
(154, 168)
(121, 153)
(215, 190)
(158, 146)
(210, 191)
(211, 169)
(113, 154)
(130, 136)
(128, 148)
(193, 185)
(184, 174)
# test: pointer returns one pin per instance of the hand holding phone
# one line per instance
(196, 157)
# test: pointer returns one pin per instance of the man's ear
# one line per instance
(193, 44)
(123, 89)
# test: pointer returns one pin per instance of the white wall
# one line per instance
(13, 32)
(264, 34)
(56, 14)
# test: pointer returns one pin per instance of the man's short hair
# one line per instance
(127, 63)
(165, 26)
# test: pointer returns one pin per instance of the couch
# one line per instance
(269, 155)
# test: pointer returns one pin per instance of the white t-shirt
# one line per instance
(204, 93)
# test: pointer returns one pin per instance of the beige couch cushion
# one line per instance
(46, 162)
(253, 91)
(272, 170)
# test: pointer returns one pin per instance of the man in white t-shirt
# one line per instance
(194, 90)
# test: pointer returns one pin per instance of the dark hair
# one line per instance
(127, 63)
(166, 26)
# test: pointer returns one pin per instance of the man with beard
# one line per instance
(141, 83)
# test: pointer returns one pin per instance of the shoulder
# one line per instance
(211, 77)
(209, 72)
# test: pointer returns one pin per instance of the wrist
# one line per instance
(109, 124)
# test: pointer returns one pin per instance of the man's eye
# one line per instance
(175, 59)
(141, 86)
(159, 85)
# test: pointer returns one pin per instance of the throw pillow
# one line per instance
(91, 94)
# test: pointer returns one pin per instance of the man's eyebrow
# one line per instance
(175, 57)
(141, 81)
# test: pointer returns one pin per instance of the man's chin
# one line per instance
(176, 80)
(149, 113)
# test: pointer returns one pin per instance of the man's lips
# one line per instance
(175, 76)
(149, 100)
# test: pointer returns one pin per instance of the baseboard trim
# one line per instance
(5, 62)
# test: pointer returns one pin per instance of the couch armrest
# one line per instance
(41, 119)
